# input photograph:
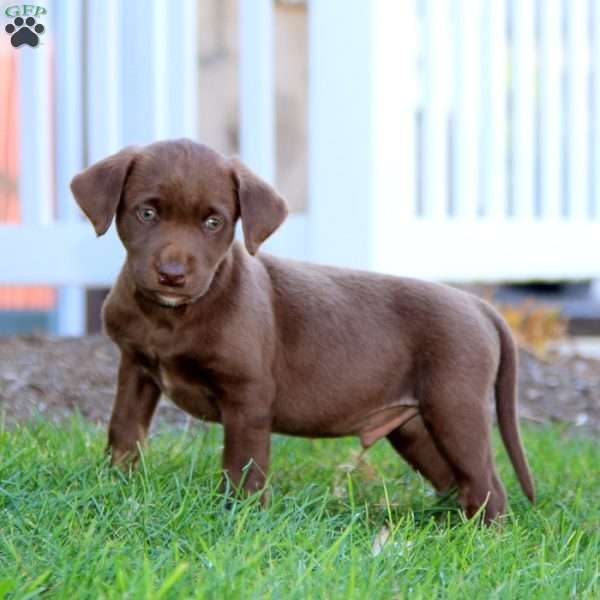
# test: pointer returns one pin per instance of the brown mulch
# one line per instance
(56, 377)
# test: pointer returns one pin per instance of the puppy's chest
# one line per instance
(196, 395)
(183, 378)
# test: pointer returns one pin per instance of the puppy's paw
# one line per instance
(233, 492)
(123, 459)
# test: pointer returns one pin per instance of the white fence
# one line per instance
(473, 128)
(449, 139)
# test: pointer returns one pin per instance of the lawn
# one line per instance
(72, 527)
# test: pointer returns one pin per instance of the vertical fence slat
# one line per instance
(163, 58)
(467, 109)
(595, 59)
(435, 115)
(67, 29)
(174, 71)
(102, 86)
(494, 122)
(183, 59)
(35, 118)
(393, 119)
(340, 76)
(577, 63)
(137, 74)
(257, 101)
(551, 65)
(523, 116)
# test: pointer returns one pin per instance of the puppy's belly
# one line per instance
(370, 423)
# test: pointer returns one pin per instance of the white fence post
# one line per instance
(577, 109)
(362, 106)
(468, 22)
(162, 58)
(257, 91)
(103, 78)
(140, 100)
(392, 117)
(182, 58)
(551, 65)
(67, 30)
(495, 118)
(340, 134)
(35, 180)
(438, 77)
(523, 116)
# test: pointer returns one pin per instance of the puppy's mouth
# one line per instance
(171, 300)
(164, 298)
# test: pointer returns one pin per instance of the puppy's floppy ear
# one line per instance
(98, 188)
(262, 209)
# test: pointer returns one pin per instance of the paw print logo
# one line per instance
(24, 32)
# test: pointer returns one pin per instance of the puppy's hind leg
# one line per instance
(414, 443)
(457, 418)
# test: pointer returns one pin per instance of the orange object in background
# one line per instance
(14, 298)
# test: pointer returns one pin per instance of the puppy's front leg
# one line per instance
(137, 397)
(247, 424)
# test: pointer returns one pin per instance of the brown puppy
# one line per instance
(262, 344)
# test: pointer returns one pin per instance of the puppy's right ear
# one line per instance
(98, 188)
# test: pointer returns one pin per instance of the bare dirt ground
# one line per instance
(56, 377)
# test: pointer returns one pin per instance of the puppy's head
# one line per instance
(176, 205)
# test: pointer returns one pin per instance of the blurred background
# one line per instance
(455, 140)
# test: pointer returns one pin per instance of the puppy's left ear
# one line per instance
(262, 209)
(98, 188)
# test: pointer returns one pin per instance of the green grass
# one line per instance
(72, 527)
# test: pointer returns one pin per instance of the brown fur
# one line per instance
(262, 344)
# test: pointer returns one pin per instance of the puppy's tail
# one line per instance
(506, 403)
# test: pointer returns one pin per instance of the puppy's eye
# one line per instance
(213, 223)
(147, 214)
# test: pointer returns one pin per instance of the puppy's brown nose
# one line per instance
(171, 274)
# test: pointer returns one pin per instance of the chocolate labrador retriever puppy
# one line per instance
(262, 344)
